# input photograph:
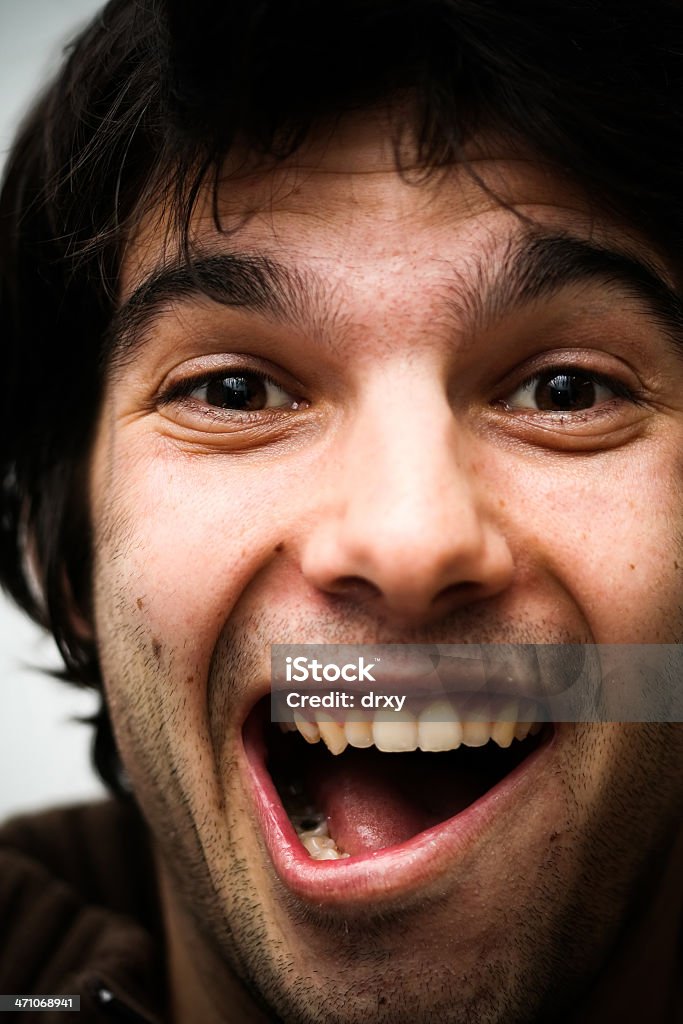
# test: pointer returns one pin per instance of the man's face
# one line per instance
(458, 427)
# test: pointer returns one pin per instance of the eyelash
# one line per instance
(182, 389)
(620, 389)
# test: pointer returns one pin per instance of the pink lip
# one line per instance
(387, 874)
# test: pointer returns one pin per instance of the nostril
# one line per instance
(354, 587)
(467, 589)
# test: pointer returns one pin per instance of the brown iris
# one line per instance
(564, 392)
(244, 391)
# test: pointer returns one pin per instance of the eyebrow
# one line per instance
(533, 267)
(545, 264)
(252, 282)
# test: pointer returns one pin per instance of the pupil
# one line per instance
(565, 391)
(245, 392)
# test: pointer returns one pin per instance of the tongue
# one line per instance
(374, 800)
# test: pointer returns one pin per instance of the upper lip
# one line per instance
(533, 671)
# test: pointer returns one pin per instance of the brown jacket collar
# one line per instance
(79, 913)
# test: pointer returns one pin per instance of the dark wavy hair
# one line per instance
(151, 98)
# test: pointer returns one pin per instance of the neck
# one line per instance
(201, 984)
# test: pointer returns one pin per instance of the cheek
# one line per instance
(633, 769)
(176, 547)
(608, 530)
(181, 540)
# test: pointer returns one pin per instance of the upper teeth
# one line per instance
(436, 728)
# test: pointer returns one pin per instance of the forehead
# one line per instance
(341, 201)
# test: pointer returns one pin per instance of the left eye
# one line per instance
(561, 391)
(240, 392)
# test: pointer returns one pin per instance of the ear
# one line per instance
(79, 619)
(77, 604)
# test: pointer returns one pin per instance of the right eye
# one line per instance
(234, 391)
(242, 392)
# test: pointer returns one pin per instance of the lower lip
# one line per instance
(384, 875)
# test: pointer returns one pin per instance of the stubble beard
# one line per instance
(540, 956)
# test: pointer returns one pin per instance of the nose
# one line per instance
(405, 523)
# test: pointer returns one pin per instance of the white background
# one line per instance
(44, 754)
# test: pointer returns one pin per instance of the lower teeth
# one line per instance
(312, 830)
(310, 823)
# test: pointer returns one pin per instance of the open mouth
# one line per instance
(350, 790)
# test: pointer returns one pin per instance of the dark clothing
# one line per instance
(79, 915)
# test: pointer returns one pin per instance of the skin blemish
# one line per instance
(140, 603)
(156, 648)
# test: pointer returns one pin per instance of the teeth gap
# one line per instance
(308, 825)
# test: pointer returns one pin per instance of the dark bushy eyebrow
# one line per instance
(254, 283)
(534, 267)
(545, 264)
